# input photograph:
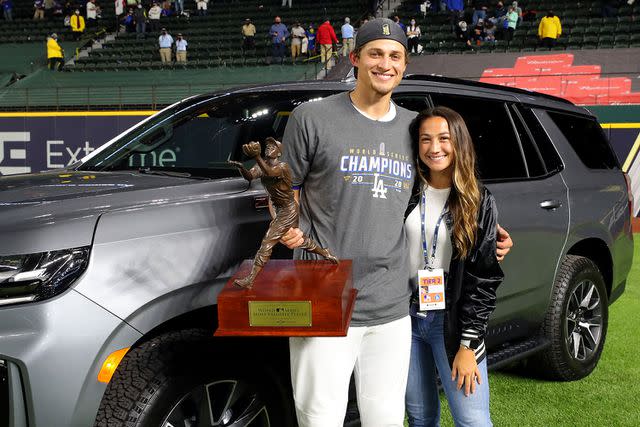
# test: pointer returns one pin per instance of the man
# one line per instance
(77, 25)
(549, 29)
(141, 21)
(360, 219)
(248, 35)
(326, 38)
(181, 49)
(165, 41)
(201, 6)
(38, 9)
(347, 37)
(297, 35)
(92, 12)
(279, 34)
(55, 56)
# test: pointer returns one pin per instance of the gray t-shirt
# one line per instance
(356, 176)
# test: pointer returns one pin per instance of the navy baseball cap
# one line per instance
(380, 28)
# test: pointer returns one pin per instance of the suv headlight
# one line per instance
(36, 277)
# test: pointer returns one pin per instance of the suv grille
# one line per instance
(4, 394)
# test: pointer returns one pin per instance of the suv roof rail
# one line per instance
(453, 80)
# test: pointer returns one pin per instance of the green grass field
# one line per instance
(610, 396)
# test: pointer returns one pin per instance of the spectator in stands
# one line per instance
(396, 19)
(179, 4)
(165, 41)
(77, 25)
(248, 35)
(7, 9)
(347, 32)
(477, 34)
(140, 16)
(279, 34)
(57, 9)
(311, 41)
(424, 7)
(297, 34)
(479, 11)
(201, 7)
(499, 15)
(68, 8)
(462, 32)
(326, 38)
(489, 32)
(518, 10)
(413, 36)
(55, 55)
(48, 8)
(285, 2)
(549, 29)
(38, 9)
(456, 11)
(512, 23)
(181, 49)
(129, 21)
(154, 17)
(119, 7)
(166, 8)
(92, 12)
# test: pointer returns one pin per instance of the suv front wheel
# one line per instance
(178, 379)
(576, 322)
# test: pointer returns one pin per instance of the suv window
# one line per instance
(540, 140)
(497, 147)
(587, 139)
(202, 137)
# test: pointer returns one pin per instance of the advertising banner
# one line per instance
(40, 142)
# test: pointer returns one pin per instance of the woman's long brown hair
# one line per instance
(464, 200)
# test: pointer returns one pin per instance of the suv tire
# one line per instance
(177, 379)
(576, 322)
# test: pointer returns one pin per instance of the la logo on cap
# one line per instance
(386, 30)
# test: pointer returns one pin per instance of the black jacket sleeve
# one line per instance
(482, 275)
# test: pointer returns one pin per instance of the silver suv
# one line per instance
(124, 253)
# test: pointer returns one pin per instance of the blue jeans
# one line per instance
(422, 399)
(478, 14)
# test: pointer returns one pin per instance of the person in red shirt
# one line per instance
(326, 38)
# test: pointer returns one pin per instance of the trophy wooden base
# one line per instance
(289, 298)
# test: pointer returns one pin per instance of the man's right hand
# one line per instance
(293, 238)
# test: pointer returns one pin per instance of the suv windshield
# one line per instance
(200, 137)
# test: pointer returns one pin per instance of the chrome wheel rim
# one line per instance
(226, 403)
(583, 325)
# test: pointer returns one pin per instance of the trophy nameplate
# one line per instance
(289, 298)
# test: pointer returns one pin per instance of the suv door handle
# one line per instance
(550, 204)
(261, 202)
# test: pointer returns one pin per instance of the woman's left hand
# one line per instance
(465, 368)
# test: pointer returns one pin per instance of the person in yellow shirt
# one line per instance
(77, 25)
(549, 29)
(55, 54)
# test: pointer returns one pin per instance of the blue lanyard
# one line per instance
(428, 261)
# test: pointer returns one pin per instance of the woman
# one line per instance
(512, 22)
(461, 213)
(413, 36)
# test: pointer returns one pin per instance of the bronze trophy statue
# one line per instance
(276, 179)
